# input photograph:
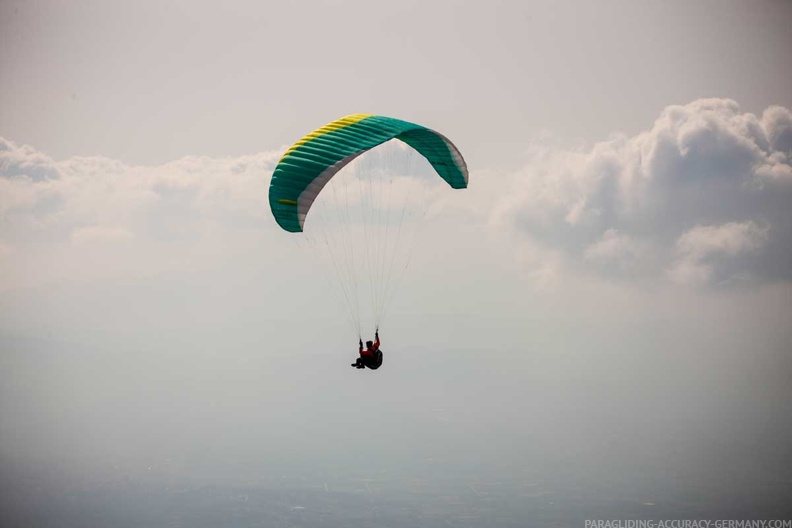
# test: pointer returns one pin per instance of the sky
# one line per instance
(622, 257)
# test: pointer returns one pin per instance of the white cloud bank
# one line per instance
(91, 217)
(704, 196)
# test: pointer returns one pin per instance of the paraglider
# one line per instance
(371, 356)
(362, 234)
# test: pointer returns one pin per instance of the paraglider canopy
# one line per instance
(309, 164)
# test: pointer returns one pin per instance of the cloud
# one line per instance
(66, 219)
(23, 160)
(705, 174)
(729, 239)
(614, 250)
(776, 121)
(704, 252)
(702, 197)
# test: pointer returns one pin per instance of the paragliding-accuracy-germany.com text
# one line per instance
(687, 523)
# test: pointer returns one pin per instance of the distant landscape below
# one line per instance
(422, 493)
(154, 438)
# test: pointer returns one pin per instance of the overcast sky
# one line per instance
(629, 209)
